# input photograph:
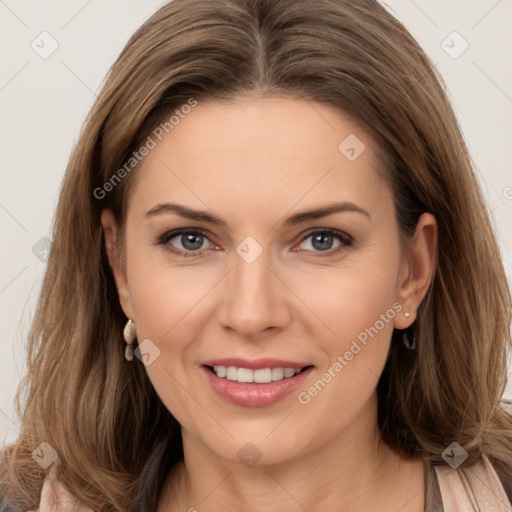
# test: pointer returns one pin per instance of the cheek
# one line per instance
(354, 305)
(167, 303)
(357, 312)
(164, 298)
(351, 297)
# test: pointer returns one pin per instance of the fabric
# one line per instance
(433, 502)
(472, 489)
(56, 498)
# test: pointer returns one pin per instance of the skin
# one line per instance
(254, 162)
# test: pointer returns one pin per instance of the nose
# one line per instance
(254, 299)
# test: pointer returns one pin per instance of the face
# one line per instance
(243, 278)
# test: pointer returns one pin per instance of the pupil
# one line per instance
(191, 242)
(322, 241)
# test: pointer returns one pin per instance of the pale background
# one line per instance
(44, 101)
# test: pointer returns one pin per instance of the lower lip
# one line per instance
(252, 394)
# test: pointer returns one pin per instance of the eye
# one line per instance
(186, 242)
(193, 242)
(327, 241)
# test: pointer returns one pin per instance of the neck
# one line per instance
(356, 470)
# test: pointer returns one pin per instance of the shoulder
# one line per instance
(56, 498)
(476, 486)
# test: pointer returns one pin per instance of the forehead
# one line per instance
(256, 153)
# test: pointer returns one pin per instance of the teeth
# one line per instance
(220, 371)
(289, 372)
(261, 376)
(277, 373)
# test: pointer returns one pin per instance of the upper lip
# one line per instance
(256, 364)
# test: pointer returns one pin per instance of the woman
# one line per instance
(273, 280)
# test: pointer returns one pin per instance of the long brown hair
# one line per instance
(115, 439)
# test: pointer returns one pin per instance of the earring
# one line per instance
(411, 345)
(129, 336)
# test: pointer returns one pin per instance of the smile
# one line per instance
(261, 376)
(254, 388)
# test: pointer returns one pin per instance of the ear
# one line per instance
(417, 271)
(113, 248)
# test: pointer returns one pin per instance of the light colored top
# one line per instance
(475, 488)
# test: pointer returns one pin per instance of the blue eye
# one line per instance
(323, 241)
(191, 241)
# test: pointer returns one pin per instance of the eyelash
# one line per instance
(346, 241)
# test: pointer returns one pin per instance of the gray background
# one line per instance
(43, 102)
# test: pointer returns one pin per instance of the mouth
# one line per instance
(259, 376)
(260, 387)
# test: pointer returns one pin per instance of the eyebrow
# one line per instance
(298, 218)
